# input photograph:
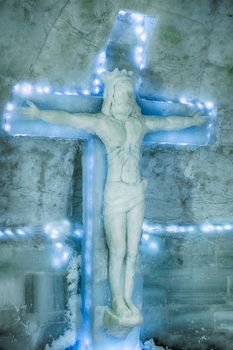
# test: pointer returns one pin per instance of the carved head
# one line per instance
(119, 96)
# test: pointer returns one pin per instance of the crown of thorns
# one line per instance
(116, 74)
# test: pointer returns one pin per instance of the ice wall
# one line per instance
(188, 288)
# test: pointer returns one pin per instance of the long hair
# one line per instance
(110, 80)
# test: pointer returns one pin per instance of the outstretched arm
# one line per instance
(173, 122)
(85, 121)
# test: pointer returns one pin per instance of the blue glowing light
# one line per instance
(200, 105)
(66, 255)
(139, 30)
(97, 81)
(183, 100)
(7, 127)
(143, 37)
(145, 237)
(9, 232)
(20, 232)
(58, 245)
(86, 92)
(137, 17)
(26, 89)
(209, 105)
(10, 107)
(154, 246)
(122, 13)
(185, 229)
(78, 233)
(100, 70)
(102, 57)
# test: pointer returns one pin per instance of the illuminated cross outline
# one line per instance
(93, 152)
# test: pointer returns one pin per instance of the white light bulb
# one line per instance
(154, 246)
(145, 237)
(122, 12)
(9, 107)
(54, 231)
(47, 89)
(86, 92)
(209, 105)
(86, 342)
(207, 227)
(97, 90)
(66, 255)
(102, 57)
(58, 245)
(78, 233)
(39, 89)
(171, 228)
(9, 232)
(143, 37)
(20, 232)
(96, 82)
(227, 227)
(7, 127)
(183, 100)
(26, 89)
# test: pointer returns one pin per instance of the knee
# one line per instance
(131, 258)
(117, 254)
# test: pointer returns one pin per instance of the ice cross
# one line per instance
(129, 37)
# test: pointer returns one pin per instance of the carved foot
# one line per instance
(119, 326)
(133, 309)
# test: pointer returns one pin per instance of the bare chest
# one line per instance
(116, 133)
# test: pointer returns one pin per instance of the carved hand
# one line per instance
(199, 119)
(31, 112)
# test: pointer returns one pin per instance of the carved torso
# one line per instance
(122, 140)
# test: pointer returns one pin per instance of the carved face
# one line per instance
(123, 99)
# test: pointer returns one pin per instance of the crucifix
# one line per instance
(121, 127)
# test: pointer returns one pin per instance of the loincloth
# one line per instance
(122, 197)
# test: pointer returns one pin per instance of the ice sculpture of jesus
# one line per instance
(121, 127)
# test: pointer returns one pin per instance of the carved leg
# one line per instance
(115, 229)
(134, 229)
